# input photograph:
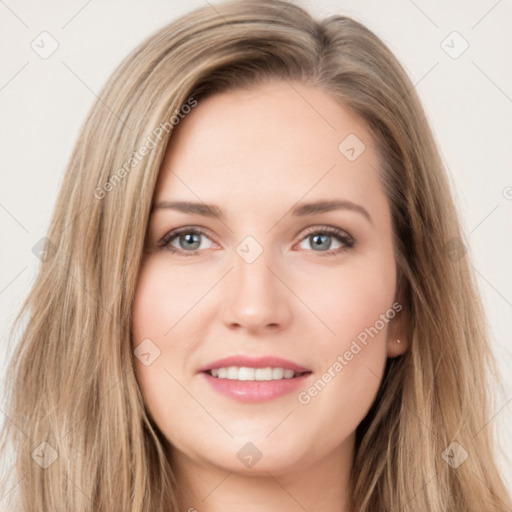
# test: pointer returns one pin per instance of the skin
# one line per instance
(255, 154)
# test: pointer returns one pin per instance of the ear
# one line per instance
(398, 338)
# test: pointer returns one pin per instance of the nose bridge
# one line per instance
(256, 297)
(251, 268)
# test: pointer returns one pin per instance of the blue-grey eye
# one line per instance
(185, 241)
(321, 241)
(189, 241)
(324, 240)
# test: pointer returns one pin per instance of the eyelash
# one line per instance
(340, 235)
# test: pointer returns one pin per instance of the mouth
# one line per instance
(246, 373)
(250, 379)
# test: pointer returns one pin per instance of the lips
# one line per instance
(233, 377)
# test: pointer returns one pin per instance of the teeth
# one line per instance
(246, 373)
(278, 373)
(232, 372)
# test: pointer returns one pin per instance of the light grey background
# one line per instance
(468, 100)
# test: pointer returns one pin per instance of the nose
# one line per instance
(256, 298)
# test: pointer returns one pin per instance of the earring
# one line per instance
(398, 341)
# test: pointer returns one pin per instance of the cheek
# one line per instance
(352, 301)
(357, 307)
(163, 297)
(146, 314)
(158, 306)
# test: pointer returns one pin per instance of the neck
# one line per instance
(321, 485)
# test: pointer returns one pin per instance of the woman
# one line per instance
(319, 345)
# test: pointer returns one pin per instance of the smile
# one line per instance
(246, 373)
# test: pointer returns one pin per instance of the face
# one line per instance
(251, 272)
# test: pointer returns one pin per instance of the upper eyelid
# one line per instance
(173, 233)
(328, 229)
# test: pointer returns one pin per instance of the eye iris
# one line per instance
(192, 238)
(321, 241)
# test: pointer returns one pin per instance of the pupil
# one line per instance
(190, 239)
(324, 241)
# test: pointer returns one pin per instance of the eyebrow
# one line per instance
(327, 206)
(301, 210)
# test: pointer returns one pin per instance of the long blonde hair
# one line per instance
(71, 381)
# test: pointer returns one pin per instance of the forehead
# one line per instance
(277, 142)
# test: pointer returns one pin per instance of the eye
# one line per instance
(188, 240)
(321, 238)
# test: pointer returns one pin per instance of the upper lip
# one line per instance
(254, 362)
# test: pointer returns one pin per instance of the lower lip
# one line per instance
(251, 391)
